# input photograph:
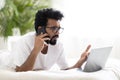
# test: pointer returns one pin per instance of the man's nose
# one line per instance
(56, 31)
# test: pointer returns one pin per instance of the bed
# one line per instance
(110, 72)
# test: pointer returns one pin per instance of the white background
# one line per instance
(94, 22)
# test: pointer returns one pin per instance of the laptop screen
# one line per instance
(97, 59)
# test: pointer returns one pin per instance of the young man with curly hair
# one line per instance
(42, 49)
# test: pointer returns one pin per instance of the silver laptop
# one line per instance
(97, 59)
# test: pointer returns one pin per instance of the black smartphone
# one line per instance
(42, 30)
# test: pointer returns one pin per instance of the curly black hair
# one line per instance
(43, 15)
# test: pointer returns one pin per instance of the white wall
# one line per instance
(86, 22)
(94, 22)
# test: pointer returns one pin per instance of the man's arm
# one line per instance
(82, 59)
(38, 46)
(29, 63)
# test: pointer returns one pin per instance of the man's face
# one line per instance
(52, 29)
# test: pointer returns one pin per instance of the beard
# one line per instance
(53, 40)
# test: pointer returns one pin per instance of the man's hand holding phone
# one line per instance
(40, 41)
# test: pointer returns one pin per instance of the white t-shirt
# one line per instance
(24, 47)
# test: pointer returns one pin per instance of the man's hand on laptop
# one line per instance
(83, 58)
(85, 54)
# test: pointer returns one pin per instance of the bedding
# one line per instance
(110, 72)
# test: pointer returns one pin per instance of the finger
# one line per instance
(46, 39)
(43, 35)
(88, 48)
(88, 54)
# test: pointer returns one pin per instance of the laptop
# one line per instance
(97, 59)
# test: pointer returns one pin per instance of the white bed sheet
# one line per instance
(110, 72)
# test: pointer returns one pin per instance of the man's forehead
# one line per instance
(53, 22)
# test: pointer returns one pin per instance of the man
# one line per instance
(41, 50)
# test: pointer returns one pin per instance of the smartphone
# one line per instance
(42, 30)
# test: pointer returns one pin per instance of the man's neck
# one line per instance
(45, 49)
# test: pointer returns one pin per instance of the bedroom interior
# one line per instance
(85, 22)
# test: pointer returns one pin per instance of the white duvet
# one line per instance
(110, 72)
